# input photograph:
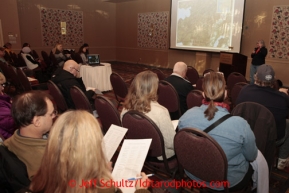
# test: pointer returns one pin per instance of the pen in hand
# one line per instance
(140, 177)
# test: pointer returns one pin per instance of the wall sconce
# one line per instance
(151, 31)
(63, 28)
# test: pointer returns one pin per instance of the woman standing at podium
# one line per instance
(258, 58)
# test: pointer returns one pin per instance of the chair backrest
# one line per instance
(234, 78)
(234, 92)
(194, 98)
(4, 68)
(24, 80)
(160, 74)
(77, 58)
(262, 122)
(57, 96)
(201, 155)
(207, 70)
(141, 126)
(14, 77)
(107, 112)
(192, 75)
(119, 86)
(79, 99)
(199, 84)
(169, 98)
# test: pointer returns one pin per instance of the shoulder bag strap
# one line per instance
(218, 122)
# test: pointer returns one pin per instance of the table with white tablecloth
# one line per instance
(97, 77)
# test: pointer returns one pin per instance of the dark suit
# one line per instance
(183, 87)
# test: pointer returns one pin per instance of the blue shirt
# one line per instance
(234, 135)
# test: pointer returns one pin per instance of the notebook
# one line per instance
(93, 60)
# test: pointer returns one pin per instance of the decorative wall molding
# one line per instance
(153, 30)
(51, 31)
(279, 38)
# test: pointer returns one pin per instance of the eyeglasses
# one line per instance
(4, 84)
(54, 113)
(75, 69)
(214, 72)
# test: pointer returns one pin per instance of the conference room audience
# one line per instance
(33, 113)
(263, 92)
(60, 57)
(74, 152)
(142, 97)
(182, 86)
(67, 77)
(83, 52)
(7, 126)
(234, 135)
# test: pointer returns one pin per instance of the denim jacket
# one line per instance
(234, 135)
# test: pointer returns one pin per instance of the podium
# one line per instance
(232, 62)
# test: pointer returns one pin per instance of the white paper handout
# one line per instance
(130, 161)
(112, 139)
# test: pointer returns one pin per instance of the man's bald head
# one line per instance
(180, 68)
(71, 66)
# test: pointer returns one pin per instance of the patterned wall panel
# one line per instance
(51, 31)
(153, 30)
(279, 39)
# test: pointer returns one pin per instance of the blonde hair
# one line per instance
(2, 78)
(214, 86)
(73, 153)
(142, 91)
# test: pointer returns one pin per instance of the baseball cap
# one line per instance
(265, 73)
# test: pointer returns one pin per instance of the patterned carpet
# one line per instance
(279, 180)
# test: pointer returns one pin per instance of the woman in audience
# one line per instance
(74, 155)
(7, 126)
(2, 54)
(83, 52)
(234, 135)
(60, 57)
(142, 96)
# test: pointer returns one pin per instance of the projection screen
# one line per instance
(207, 25)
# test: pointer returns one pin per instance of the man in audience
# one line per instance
(182, 86)
(67, 77)
(277, 101)
(33, 113)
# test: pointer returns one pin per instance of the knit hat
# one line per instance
(265, 73)
(26, 50)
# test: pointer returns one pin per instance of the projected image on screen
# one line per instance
(207, 25)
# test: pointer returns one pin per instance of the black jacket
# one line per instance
(65, 80)
(183, 88)
(259, 57)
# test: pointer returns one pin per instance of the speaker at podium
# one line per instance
(232, 62)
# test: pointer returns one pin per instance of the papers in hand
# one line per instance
(31, 79)
(112, 139)
(130, 160)
(94, 90)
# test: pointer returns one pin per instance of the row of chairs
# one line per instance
(16, 77)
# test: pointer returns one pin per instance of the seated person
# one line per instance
(75, 155)
(31, 63)
(8, 52)
(33, 113)
(234, 135)
(264, 93)
(33, 53)
(7, 126)
(60, 57)
(182, 86)
(67, 77)
(142, 97)
(2, 54)
(83, 52)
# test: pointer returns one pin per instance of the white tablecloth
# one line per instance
(97, 77)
